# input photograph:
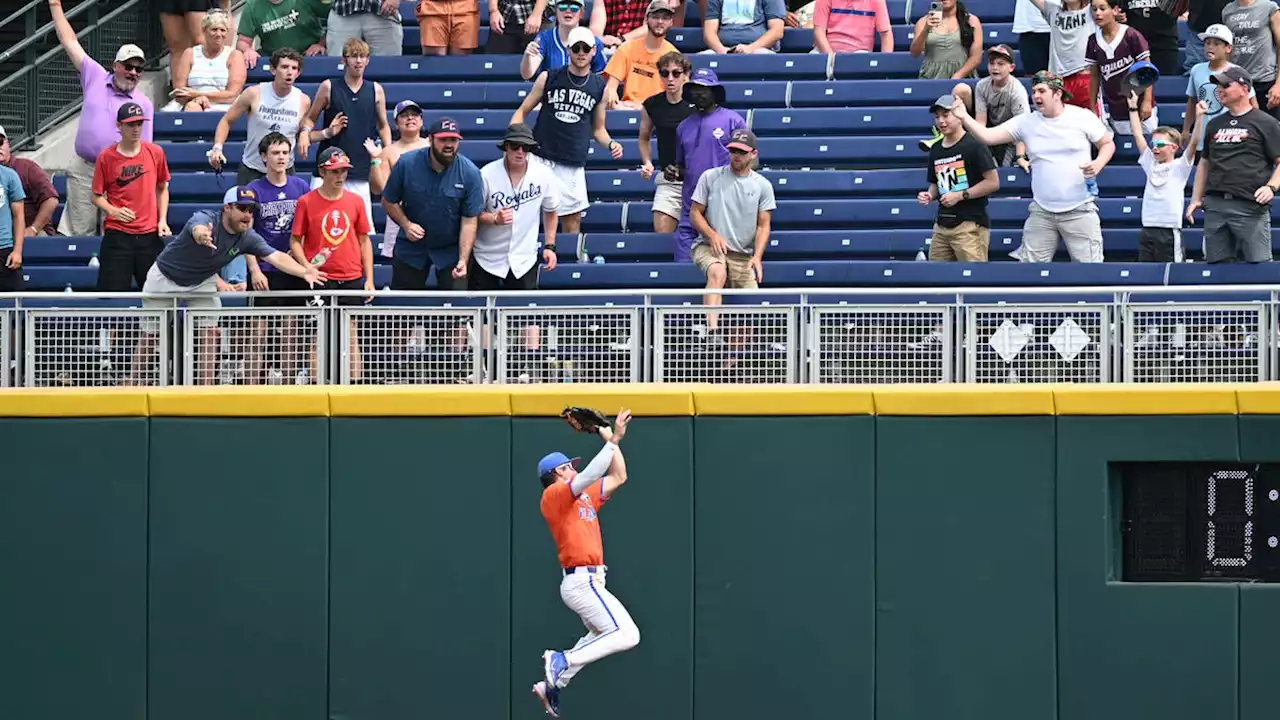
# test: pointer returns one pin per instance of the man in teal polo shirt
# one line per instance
(434, 195)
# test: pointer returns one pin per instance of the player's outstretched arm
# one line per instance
(603, 460)
(617, 474)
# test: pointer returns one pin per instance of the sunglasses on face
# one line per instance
(515, 146)
(568, 7)
(130, 67)
(582, 48)
(1157, 144)
(738, 151)
(244, 208)
(677, 72)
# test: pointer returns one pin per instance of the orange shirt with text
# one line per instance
(574, 524)
(637, 69)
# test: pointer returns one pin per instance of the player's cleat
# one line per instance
(550, 698)
(553, 663)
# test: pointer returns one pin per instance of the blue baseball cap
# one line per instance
(553, 461)
(240, 195)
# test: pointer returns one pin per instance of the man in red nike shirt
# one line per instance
(331, 229)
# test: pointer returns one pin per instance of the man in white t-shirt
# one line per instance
(1058, 140)
(517, 194)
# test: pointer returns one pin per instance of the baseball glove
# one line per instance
(586, 420)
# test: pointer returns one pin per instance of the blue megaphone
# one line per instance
(1142, 75)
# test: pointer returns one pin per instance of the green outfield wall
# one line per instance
(803, 553)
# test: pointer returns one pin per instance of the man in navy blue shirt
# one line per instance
(434, 195)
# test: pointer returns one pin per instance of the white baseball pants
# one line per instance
(610, 628)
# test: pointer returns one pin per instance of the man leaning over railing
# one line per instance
(189, 266)
(103, 95)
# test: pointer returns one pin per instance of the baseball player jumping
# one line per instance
(570, 503)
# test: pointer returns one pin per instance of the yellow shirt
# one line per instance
(637, 69)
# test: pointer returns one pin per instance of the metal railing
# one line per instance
(838, 336)
(46, 91)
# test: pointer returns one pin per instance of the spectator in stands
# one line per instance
(850, 26)
(41, 197)
(1033, 37)
(550, 50)
(434, 197)
(276, 106)
(1200, 15)
(210, 75)
(452, 25)
(182, 22)
(634, 65)
(96, 130)
(1255, 24)
(1239, 175)
(351, 116)
(662, 114)
(279, 24)
(996, 99)
(331, 230)
(190, 264)
(1110, 51)
(12, 222)
(950, 39)
(799, 13)
(384, 157)
(1216, 45)
(732, 212)
(1158, 28)
(701, 144)
(131, 187)
(744, 26)
(1059, 140)
(377, 22)
(519, 195)
(273, 215)
(1071, 23)
(961, 174)
(513, 24)
(1161, 237)
(572, 114)
(617, 21)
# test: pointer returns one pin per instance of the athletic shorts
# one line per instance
(666, 199)
(572, 180)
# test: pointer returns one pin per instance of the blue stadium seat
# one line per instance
(914, 120)
(784, 66)
(1225, 274)
(405, 68)
(49, 249)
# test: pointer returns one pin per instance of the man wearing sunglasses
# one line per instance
(572, 114)
(550, 50)
(662, 114)
(97, 130)
(635, 64)
(517, 194)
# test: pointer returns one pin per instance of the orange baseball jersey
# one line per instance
(573, 523)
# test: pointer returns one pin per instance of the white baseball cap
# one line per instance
(129, 51)
(1218, 31)
(580, 34)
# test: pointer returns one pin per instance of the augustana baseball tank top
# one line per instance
(275, 114)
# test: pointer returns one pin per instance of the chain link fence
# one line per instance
(411, 346)
(1167, 342)
(234, 346)
(97, 348)
(731, 344)
(539, 345)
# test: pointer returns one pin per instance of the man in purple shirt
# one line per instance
(701, 144)
(104, 93)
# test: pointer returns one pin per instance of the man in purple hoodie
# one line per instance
(701, 141)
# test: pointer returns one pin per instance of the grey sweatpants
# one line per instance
(384, 35)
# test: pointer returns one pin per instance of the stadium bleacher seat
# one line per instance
(838, 140)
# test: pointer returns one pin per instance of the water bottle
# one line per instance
(93, 261)
(68, 288)
(1091, 185)
(567, 367)
(321, 257)
(599, 260)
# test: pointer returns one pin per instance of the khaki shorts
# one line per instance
(449, 29)
(738, 274)
(966, 242)
(666, 199)
(201, 296)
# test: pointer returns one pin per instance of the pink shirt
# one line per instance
(851, 24)
(97, 129)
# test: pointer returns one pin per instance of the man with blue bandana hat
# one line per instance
(701, 144)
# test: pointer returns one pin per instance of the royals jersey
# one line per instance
(574, 523)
